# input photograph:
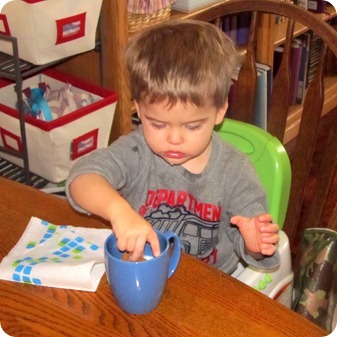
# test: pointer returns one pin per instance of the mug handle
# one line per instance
(175, 255)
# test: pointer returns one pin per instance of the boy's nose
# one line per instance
(175, 136)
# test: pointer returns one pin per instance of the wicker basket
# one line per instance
(191, 5)
(141, 21)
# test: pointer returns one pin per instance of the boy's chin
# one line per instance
(174, 161)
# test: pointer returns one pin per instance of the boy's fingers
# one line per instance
(237, 220)
(135, 256)
(270, 239)
(121, 244)
(152, 239)
(268, 251)
(265, 218)
(271, 228)
(135, 245)
(136, 248)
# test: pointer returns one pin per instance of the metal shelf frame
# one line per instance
(15, 69)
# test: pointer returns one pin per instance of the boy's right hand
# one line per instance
(133, 232)
(95, 194)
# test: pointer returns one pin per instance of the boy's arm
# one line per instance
(95, 194)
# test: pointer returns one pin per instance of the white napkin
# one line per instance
(57, 256)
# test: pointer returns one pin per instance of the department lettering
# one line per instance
(172, 198)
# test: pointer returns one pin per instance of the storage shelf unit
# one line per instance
(15, 69)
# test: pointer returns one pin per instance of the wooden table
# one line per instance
(199, 300)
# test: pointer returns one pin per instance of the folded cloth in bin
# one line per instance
(57, 256)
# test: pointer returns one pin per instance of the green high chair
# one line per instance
(269, 158)
(272, 164)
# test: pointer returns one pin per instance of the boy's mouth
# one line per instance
(174, 155)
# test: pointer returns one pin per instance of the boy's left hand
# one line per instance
(259, 233)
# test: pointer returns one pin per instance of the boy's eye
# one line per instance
(158, 125)
(193, 127)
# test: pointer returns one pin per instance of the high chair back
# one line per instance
(272, 165)
(269, 158)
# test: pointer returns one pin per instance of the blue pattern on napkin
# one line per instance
(57, 256)
(69, 248)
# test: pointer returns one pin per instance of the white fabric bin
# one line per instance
(49, 30)
(54, 146)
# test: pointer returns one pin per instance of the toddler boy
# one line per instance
(174, 172)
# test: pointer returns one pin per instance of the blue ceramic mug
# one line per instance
(138, 287)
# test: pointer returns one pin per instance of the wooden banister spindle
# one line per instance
(325, 177)
(305, 145)
(247, 79)
(280, 97)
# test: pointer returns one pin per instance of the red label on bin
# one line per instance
(84, 144)
(10, 140)
(70, 28)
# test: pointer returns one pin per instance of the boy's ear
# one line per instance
(221, 113)
(137, 108)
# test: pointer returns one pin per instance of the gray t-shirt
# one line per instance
(195, 206)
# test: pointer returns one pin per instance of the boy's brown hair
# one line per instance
(186, 60)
